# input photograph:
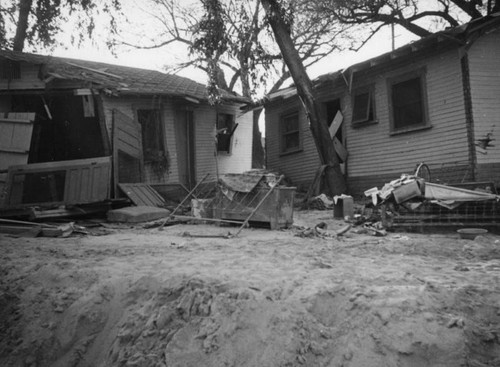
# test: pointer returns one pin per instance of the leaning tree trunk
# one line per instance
(22, 24)
(319, 128)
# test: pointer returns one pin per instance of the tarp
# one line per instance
(241, 182)
(442, 192)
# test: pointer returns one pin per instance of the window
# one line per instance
(363, 107)
(225, 130)
(408, 102)
(152, 135)
(10, 69)
(290, 133)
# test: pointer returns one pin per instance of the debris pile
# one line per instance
(319, 231)
(413, 202)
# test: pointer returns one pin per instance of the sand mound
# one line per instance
(139, 298)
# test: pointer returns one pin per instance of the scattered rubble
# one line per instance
(412, 202)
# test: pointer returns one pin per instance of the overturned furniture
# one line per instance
(257, 198)
(244, 199)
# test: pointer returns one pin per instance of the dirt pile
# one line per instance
(142, 298)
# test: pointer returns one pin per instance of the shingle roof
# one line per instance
(119, 79)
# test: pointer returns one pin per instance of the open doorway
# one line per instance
(66, 126)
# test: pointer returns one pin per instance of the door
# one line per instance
(184, 133)
(127, 150)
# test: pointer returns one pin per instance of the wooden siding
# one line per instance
(127, 106)
(204, 117)
(484, 65)
(240, 158)
(373, 150)
(298, 167)
(29, 78)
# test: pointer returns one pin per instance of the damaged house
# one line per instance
(435, 100)
(71, 131)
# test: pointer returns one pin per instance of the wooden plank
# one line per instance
(103, 72)
(21, 231)
(142, 194)
(25, 223)
(339, 148)
(314, 188)
(18, 121)
(22, 115)
(13, 150)
(59, 165)
(337, 121)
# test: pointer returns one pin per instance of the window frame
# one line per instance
(10, 70)
(159, 154)
(230, 131)
(282, 133)
(391, 82)
(366, 120)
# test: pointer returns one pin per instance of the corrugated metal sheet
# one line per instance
(142, 194)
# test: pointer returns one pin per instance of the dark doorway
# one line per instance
(184, 133)
(66, 127)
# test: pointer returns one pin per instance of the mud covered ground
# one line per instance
(141, 297)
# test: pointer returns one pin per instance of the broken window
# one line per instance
(225, 129)
(363, 107)
(290, 133)
(408, 102)
(152, 135)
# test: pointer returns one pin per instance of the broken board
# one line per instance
(337, 144)
(142, 194)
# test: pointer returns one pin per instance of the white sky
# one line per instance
(157, 59)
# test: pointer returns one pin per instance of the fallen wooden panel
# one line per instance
(142, 194)
(15, 140)
(335, 125)
(67, 182)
